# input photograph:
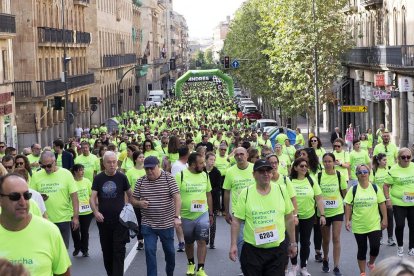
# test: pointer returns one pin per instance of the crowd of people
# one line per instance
(183, 164)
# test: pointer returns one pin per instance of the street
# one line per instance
(217, 263)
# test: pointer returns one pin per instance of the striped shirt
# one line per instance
(161, 210)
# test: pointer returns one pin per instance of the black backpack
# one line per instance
(338, 174)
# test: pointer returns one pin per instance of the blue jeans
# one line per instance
(167, 240)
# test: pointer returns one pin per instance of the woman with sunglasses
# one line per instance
(399, 192)
(148, 149)
(378, 176)
(316, 143)
(21, 161)
(362, 204)
(308, 193)
(342, 162)
(333, 186)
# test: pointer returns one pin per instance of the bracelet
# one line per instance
(293, 244)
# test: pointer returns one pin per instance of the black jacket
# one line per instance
(334, 136)
(67, 160)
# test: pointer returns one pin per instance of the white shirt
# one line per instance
(37, 197)
(177, 167)
(78, 131)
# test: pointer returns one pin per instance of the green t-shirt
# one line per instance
(153, 153)
(264, 215)
(39, 247)
(59, 160)
(320, 152)
(332, 198)
(365, 145)
(127, 164)
(97, 165)
(133, 175)
(58, 186)
(380, 177)
(402, 185)
(358, 158)
(89, 163)
(365, 214)
(289, 151)
(343, 157)
(281, 138)
(284, 163)
(236, 180)
(391, 151)
(33, 159)
(305, 196)
(222, 164)
(33, 208)
(172, 157)
(84, 194)
(300, 140)
(285, 182)
(193, 191)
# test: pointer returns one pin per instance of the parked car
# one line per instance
(248, 107)
(253, 115)
(245, 102)
(264, 124)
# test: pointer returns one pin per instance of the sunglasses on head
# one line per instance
(405, 157)
(16, 196)
(362, 172)
(49, 166)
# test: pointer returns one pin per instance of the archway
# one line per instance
(204, 73)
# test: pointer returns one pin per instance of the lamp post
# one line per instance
(65, 73)
(316, 73)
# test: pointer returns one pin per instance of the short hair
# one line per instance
(339, 140)
(47, 154)
(192, 159)
(111, 147)
(183, 151)
(393, 266)
(355, 141)
(76, 168)
(58, 143)
(135, 155)
(209, 154)
(7, 158)
(9, 150)
(109, 154)
(85, 143)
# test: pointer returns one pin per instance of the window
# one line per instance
(386, 31)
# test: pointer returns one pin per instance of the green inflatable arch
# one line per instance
(202, 73)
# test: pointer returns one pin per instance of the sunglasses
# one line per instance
(49, 166)
(314, 141)
(19, 163)
(337, 146)
(1, 146)
(303, 166)
(405, 157)
(16, 196)
(362, 172)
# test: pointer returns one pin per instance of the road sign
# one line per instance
(235, 64)
(354, 108)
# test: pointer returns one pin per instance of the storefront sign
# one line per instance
(199, 79)
(379, 80)
(405, 84)
(381, 95)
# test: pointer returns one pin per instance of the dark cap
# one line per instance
(260, 164)
(151, 162)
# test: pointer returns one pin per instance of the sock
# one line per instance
(191, 261)
(200, 266)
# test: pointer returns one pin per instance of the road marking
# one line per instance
(131, 255)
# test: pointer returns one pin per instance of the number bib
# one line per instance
(266, 234)
(84, 207)
(330, 202)
(408, 197)
(198, 206)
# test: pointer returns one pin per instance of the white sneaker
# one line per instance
(382, 241)
(391, 242)
(411, 252)
(292, 271)
(400, 251)
(304, 272)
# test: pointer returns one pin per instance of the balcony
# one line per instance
(7, 25)
(118, 60)
(52, 35)
(162, 4)
(84, 3)
(27, 90)
(371, 3)
(137, 3)
(382, 56)
(159, 61)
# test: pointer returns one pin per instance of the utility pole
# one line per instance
(316, 74)
(65, 73)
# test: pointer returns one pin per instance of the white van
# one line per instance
(157, 93)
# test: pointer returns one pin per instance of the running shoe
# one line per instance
(85, 254)
(325, 266)
(140, 246)
(371, 267)
(191, 269)
(382, 241)
(318, 257)
(212, 246)
(304, 272)
(337, 272)
(292, 271)
(391, 242)
(75, 252)
(201, 272)
(411, 252)
(180, 247)
(400, 251)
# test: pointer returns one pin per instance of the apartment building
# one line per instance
(379, 70)
(48, 30)
(8, 131)
(179, 45)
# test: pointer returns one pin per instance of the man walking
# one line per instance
(87, 159)
(388, 148)
(157, 196)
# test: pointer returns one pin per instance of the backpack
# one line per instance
(338, 174)
(308, 177)
(354, 190)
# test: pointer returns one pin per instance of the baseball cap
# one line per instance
(260, 164)
(151, 162)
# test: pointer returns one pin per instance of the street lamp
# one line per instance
(66, 60)
(316, 73)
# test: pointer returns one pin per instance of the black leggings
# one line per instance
(317, 235)
(390, 218)
(400, 214)
(139, 219)
(213, 229)
(303, 232)
(374, 244)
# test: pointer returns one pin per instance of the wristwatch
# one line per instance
(177, 217)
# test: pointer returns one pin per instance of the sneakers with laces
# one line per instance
(337, 272)
(325, 266)
(191, 269)
(370, 266)
(318, 257)
(304, 272)
(180, 247)
(411, 252)
(391, 242)
(400, 251)
(201, 272)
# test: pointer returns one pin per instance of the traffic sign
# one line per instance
(354, 108)
(235, 64)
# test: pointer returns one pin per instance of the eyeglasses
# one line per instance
(405, 157)
(19, 163)
(49, 166)
(303, 166)
(16, 196)
(1, 146)
(337, 146)
(362, 172)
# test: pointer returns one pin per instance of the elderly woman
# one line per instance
(401, 198)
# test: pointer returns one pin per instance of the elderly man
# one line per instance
(158, 197)
(35, 156)
(109, 189)
(58, 188)
(31, 240)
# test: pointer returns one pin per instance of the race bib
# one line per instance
(84, 207)
(330, 202)
(408, 197)
(266, 234)
(198, 206)
(283, 164)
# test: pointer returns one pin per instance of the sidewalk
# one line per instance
(323, 135)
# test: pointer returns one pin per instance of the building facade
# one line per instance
(8, 130)
(379, 71)
(179, 45)
(219, 35)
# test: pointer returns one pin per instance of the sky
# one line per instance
(203, 16)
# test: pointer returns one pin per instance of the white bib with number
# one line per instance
(84, 207)
(330, 202)
(266, 234)
(408, 197)
(198, 206)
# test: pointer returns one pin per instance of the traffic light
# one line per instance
(57, 103)
(227, 62)
(172, 64)
(93, 100)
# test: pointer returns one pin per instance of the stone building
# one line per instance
(379, 71)
(46, 30)
(8, 131)
(179, 45)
